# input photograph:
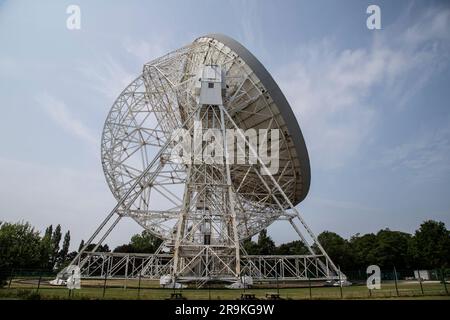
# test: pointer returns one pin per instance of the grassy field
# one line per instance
(24, 288)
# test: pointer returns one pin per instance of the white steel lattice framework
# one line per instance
(203, 211)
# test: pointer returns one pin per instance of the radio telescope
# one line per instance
(212, 91)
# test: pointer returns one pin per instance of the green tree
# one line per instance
(430, 246)
(265, 243)
(363, 249)
(145, 242)
(62, 256)
(294, 247)
(81, 246)
(251, 247)
(101, 248)
(45, 248)
(337, 248)
(48, 232)
(70, 256)
(19, 247)
(56, 239)
(391, 249)
(124, 248)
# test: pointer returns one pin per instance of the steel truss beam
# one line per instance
(144, 116)
(262, 268)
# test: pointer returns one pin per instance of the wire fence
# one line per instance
(35, 284)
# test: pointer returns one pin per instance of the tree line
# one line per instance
(427, 248)
(22, 247)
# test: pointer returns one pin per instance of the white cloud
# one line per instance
(144, 50)
(433, 24)
(332, 91)
(251, 24)
(108, 77)
(327, 91)
(426, 155)
(61, 115)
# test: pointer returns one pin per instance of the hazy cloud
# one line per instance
(61, 115)
(108, 77)
(427, 154)
(145, 50)
(331, 90)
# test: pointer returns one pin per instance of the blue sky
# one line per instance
(373, 104)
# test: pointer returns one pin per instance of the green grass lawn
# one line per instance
(93, 289)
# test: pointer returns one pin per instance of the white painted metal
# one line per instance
(201, 210)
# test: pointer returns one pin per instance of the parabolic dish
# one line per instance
(271, 104)
(159, 101)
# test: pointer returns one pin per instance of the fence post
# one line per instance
(104, 284)
(11, 278)
(209, 290)
(126, 272)
(139, 286)
(174, 283)
(395, 278)
(310, 289)
(340, 282)
(39, 282)
(420, 281)
(276, 273)
(443, 281)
